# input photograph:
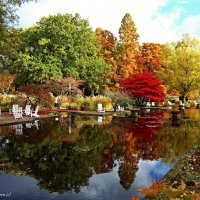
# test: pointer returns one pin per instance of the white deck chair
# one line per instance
(148, 104)
(14, 109)
(119, 108)
(35, 112)
(27, 110)
(17, 112)
(100, 108)
(170, 104)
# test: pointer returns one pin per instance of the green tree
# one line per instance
(181, 66)
(8, 18)
(60, 45)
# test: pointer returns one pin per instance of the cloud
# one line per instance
(183, 1)
(190, 25)
(163, 27)
(152, 25)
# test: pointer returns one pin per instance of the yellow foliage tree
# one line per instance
(6, 81)
(181, 65)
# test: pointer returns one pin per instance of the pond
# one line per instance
(91, 157)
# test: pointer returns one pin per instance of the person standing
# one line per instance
(57, 102)
(28, 101)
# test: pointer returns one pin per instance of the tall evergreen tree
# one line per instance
(129, 48)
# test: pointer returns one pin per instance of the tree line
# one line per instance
(64, 45)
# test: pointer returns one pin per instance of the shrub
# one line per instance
(8, 100)
(106, 102)
(90, 103)
(119, 98)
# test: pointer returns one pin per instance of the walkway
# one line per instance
(7, 119)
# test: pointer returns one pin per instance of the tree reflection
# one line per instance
(64, 162)
(56, 166)
(178, 140)
(129, 161)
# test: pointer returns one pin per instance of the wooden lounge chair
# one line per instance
(17, 113)
(27, 110)
(14, 109)
(119, 108)
(100, 108)
(35, 112)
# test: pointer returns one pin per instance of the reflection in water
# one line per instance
(91, 158)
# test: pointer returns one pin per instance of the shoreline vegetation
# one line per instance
(181, 182)
(185, 175)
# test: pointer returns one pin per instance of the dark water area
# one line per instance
(92, 157)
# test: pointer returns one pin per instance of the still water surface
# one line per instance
(91, 157)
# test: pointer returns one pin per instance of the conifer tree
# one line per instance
(129, 48)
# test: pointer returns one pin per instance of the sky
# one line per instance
(157, 21)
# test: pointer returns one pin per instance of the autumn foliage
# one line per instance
(153, 189)
(40, 92)
(64, 86)
(151, 57)
(6, 81)
(107, 42)
(129, 48)
(146, 128)
(144, 87)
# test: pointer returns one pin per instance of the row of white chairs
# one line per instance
(18, 111)
(150, 104)
(100, 108)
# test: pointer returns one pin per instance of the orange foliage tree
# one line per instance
(151, 56)
(153, 189)
(107, 43)
(64, 86)
(6, 81)
(129, 163)
(40, 92)
(129, 48)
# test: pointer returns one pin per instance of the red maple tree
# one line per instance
(144, 87)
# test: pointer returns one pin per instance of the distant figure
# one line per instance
(57, 102)
(28, 101)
